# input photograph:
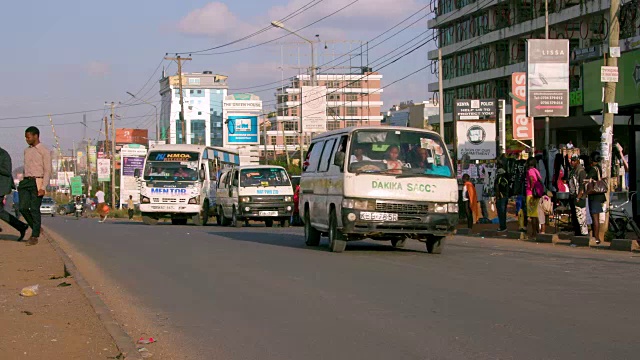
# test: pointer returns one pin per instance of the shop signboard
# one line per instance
(548, 77)
(104, 169)
(132, 157)
(477, 139)
(627, 88)
(522, 124)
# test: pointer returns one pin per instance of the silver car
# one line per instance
(48, 207)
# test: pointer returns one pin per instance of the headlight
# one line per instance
(144, 199)
(288, 199)
(453, 207)
(245, 199)
(440, 208)
(194, 200)
(358, 204)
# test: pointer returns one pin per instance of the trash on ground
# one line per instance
(146, 341)
(54, 277)
(30, 291)
(64, 284)
(26, 312)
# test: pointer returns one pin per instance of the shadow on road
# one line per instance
(297, 242)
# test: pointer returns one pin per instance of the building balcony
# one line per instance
(364, 90)
(478, 77)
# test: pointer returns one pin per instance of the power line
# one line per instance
(62, 114)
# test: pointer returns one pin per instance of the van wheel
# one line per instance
(311, 235)
(235, 222)
(397, 243)
(268, 223)
(202, 218)
(337, 243)
(435, 244)
(224, 221)
(218, 217)
(148, 220)
(284, 223)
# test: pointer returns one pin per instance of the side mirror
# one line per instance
(234, 182)
(136, 173)
(338, 159)
(202, 174)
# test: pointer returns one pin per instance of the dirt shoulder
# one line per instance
(57, 323)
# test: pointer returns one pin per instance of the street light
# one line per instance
(156, 108)
(280, 25)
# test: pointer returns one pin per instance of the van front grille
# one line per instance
(401, 208)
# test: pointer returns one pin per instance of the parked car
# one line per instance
(49, 206)
(67, 208)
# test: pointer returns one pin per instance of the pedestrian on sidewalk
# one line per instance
(470, 200)
(37, 172)
(6, 185)
(595, 201)
(534, 192)
(130, 207)
(502, 195)
(102, 205)
(578, 197)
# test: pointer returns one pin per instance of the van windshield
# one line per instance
(172, 166)
(403, 153)
(264, 177)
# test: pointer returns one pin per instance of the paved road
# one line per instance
(258, 293)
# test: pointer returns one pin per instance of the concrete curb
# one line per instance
(125, 344)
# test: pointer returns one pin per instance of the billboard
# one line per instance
(314, 109)
(242, 130)
(548, 77)
(476, 139)
(132, 158)
(104, 169)
(627, 88)
(93, 156)
(522, 124)
(132, 136)
(482, 109)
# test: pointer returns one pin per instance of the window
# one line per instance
(352, 97)
(350, 123)
(194, 81)
(290, 140)
(326, 155)
(291, 126)
(333, 97)
(333, 111)
(352, 111)
(332, 125)
(313, 157)
(273, 140)
(293, 111)
(354, 84)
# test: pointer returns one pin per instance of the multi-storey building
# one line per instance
(203, 95)
(352, 100)
(483, 42)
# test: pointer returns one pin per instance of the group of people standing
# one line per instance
(523, 179)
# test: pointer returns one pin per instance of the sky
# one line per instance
(75, 56)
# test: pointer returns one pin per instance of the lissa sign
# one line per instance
(522, 124)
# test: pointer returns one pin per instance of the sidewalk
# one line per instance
(57, 323)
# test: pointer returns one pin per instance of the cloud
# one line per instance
(214, 19)
(97, 68)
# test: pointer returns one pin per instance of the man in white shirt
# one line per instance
(101, 205)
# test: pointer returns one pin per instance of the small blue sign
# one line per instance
(242, 129)
(267, 192)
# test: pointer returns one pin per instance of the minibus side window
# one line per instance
(313, 157)
(326, 155)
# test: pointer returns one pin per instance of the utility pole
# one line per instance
(179, 61)
(440, 92)
(113, 156)
(609, 98)
(547, 140)
(88, 170)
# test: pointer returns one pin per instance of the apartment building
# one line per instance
(483, 42)
(203, 95)
(352, 100)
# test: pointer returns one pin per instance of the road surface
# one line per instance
(260, 293)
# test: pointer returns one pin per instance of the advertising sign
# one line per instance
(93, 156)
(476, 139)
(132, 158)
(242, 105)
(483, 109)
(548, 77)
(627, 89)
(64, 178)
(132, 136)
(104, 169)
(609, 74)
(76, 186)
(314, 108)
(522, 124)
(242, 129)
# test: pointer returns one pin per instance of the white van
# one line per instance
(254, 192)
(385, 183)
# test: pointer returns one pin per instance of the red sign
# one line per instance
(132, 136)
(522, 124)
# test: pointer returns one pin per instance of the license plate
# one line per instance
(376, 216)
(268, 213)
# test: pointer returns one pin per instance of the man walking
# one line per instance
(502, 195)
(6, 185)
(130, 207)
(37, 172)
(101, 206)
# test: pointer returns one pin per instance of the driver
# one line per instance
(358, 155)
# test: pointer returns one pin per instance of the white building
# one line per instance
(203, 95)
